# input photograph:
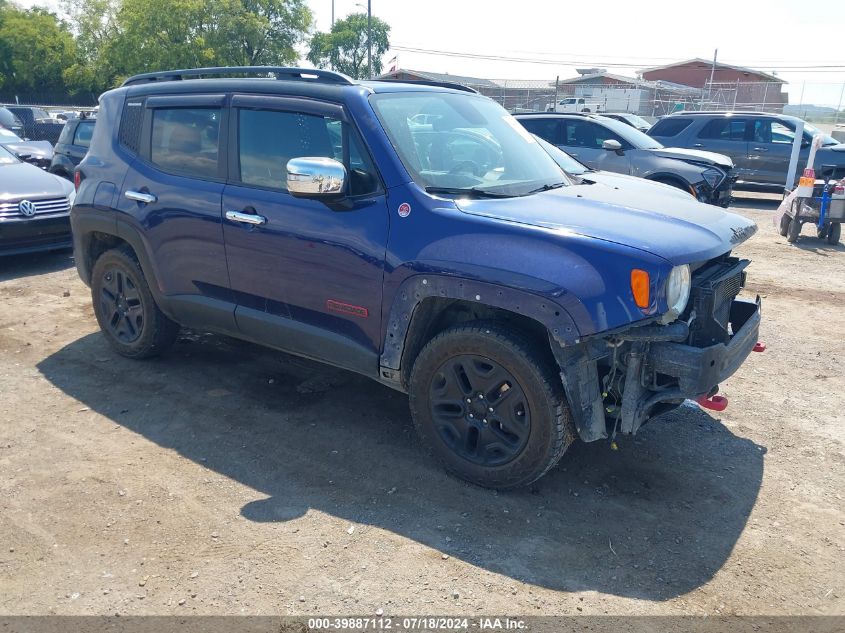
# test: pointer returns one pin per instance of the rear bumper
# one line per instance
(36, 234)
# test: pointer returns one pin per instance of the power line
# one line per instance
(594, 61)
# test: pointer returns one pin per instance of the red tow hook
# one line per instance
(760, 346)
(714, 403)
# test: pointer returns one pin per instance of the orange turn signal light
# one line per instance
(640, 287)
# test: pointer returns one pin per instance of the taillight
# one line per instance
(77, 179)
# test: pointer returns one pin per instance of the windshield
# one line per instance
(636, 138)
(464, 144)
(6, 157)
(564, 160)
(828, 140)
(638, 121)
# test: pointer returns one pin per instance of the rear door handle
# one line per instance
(698, 144)
(760, 149)
(140, 196)
(245, 218)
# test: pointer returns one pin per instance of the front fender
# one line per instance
(415, 289)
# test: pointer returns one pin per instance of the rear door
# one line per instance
(307, 274)
(172, 194)
(727, 135)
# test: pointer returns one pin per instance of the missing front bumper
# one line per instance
(658, 371)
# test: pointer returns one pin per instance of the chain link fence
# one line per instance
(41, 118)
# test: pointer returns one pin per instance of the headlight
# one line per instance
(712, 177)
(677, 292)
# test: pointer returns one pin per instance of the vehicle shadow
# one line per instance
(816, 245)
(653, 520)
(756, 204)
(14, 266)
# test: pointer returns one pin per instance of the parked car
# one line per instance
(11, 122)
(575, 104)
(517, 307)
(38, 125)
(631, 185)
(72, 146)
(38, 153)
(759, 143)
(34, 207)
(634, 120)
(610, 145)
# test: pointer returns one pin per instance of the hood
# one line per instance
(680, 230)
(634, 185)
(694, 156)
(28, 181)
(39, 149)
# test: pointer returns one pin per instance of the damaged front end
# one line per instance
(619, 380)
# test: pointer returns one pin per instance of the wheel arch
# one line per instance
(425, 305)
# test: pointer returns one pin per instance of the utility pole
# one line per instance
(712, 72)
(332, 13)
(369, 39)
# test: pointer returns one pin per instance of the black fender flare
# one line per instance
(414, 290)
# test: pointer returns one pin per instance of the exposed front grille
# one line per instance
(48, 206)
(714, 287)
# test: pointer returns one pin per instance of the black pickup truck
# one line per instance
(37, 124)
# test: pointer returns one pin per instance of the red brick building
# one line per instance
(733, 86)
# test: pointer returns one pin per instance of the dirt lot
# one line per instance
(225, 478)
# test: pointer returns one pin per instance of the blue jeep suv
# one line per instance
(415, 233)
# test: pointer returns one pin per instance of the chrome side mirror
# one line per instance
(316, 177)
(611, 145)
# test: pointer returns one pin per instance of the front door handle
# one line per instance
(760, 149)
(245, 218)
(698, 144)
(140, 196)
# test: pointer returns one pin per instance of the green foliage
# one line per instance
(344, 48)
(35, 46)
(112, 39)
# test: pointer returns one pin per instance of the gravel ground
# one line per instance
(227, 479)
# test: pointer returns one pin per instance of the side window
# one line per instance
(548, 129)
(724, 129)
(268, 139)
(589, 135)
(185, 140)
(782, 134)
(131, 120)
(669, 127)
(84, 132)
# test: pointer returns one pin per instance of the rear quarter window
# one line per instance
(669, 127)
(131, 120)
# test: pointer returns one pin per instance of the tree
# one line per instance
(344, 48)
(123, 37)
(35, 47)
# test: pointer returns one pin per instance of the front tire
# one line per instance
(784, 224)
(125, 309)
(489, 405)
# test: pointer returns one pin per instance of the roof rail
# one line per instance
(752, 112)
(280, 72)
(551, 113)
(436, 84)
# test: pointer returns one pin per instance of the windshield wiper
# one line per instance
(556, 185)
(471, 192)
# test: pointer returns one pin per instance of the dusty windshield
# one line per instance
(462, 143)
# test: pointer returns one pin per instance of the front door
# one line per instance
(770, 150)
(307, 274)
(583, 139)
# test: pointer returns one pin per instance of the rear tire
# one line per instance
(793, 231)
(488, 404)
(126, 311)
(834, 233)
